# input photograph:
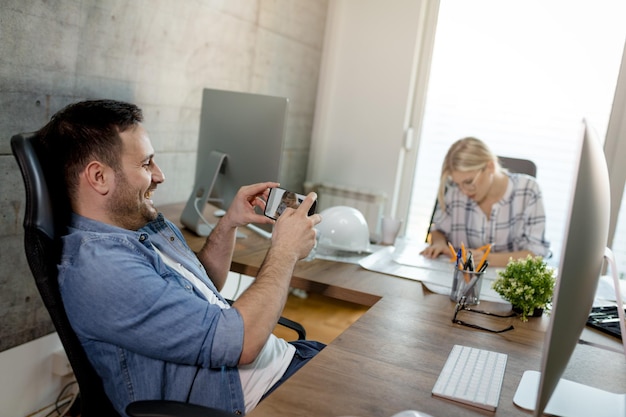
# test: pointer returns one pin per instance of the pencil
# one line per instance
(484, 258)
(469, 266)
(452, 251)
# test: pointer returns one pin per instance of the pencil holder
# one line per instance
(466, 283)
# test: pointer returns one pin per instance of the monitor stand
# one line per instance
(571, 398)
(192, 217)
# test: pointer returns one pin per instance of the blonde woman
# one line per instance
(288, 199)
(480, 203)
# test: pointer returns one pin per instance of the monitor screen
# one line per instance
(240, 143)
(578, 274)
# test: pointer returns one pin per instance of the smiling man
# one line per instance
(147, 309)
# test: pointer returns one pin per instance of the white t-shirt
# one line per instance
(271, 363)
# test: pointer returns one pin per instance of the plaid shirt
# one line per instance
(517, 221)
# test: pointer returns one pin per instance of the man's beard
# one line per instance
(127, 208)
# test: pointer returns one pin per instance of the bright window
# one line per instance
(520, 76)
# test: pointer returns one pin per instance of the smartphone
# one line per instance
(279, 199)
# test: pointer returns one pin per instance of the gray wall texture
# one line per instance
(159, 54)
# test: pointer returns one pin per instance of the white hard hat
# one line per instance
(342, 228)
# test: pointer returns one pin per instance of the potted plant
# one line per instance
(528, 284)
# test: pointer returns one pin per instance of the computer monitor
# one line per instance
(578, 274)
(240, 143)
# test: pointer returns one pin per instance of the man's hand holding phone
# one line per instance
(280, 199)
(294, 231)
(242, 210)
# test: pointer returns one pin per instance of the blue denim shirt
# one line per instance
(147, 331)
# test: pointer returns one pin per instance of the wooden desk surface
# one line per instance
(389, 360)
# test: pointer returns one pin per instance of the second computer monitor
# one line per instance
(240, 143)
(249, 129)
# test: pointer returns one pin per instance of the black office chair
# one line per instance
(45, 219)
(516, 165)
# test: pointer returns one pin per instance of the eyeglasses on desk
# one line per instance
(462, 306)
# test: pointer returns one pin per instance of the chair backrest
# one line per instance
(514, 165)
(45, 218)
(519, 166)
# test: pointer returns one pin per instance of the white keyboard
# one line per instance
(472, 376)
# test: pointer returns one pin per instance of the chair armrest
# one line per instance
(163, 408)
(293, 325)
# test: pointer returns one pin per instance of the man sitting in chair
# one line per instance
(146, 309)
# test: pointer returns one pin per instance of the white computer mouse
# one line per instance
(411, 413)
(219, 213)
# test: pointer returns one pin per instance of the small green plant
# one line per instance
(527, 283)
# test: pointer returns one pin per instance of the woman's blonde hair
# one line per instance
(467, 154)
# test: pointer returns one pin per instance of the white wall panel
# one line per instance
(365, 85)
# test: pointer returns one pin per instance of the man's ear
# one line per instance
(99, 177)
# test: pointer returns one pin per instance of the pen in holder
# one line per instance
(466, 283)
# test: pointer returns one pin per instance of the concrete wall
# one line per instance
(159, 54)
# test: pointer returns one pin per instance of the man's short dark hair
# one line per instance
(84, 131)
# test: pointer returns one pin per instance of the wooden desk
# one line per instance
(390, 358)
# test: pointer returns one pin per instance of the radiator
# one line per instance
(370, 203)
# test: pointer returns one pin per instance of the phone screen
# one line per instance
(279, 199)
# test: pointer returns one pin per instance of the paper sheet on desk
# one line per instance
(408, 253)
(346, 257)
(436, 275)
